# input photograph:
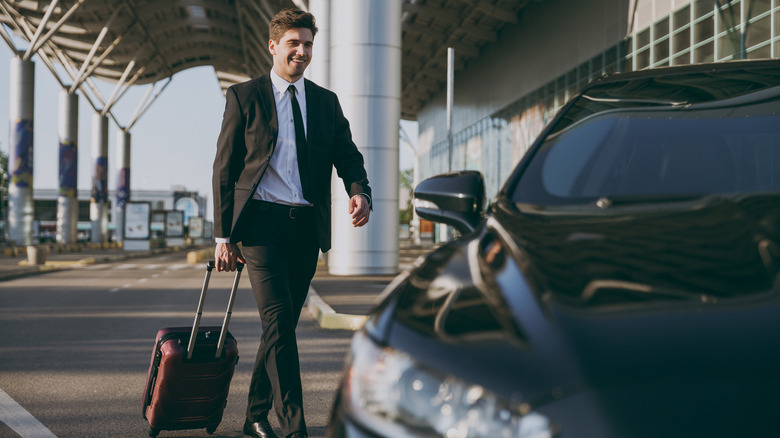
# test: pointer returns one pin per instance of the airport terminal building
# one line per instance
(515, 63)
(504, 97)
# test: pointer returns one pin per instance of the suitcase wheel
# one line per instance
(153, 432)
(211, 429)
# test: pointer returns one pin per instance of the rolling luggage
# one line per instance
(190, 372)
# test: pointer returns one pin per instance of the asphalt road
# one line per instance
(75, 347)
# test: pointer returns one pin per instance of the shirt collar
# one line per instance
(281, 85)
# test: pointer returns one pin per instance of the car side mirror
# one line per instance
(455, 199)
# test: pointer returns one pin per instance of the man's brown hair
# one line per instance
(291, 18)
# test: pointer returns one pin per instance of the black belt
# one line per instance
(288, 211)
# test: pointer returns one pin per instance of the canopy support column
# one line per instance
(67, 200)
(98, 208)
(20, 159)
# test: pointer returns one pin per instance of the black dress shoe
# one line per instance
(259, 429)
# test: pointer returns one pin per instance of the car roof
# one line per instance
(676, 86)
(691, 84)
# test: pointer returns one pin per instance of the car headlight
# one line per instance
(387, 391)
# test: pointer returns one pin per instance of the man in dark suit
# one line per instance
(281, 137)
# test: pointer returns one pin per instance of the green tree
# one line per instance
(406, 179)
(3, 183)
(3, 172)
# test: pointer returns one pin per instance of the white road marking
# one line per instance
(152, 266)
(124, 286)
(124, 266)
(21, 421)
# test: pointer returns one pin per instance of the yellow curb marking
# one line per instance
(329, 319)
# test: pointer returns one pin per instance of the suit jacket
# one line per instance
(247, 141)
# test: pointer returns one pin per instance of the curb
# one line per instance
(199, 256)
(61, 263)
(328, 318)
(29, 270)
(25, 269)
(55, 248)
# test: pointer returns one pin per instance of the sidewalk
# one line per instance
(337, 302)
(341, 302)
(14, 266)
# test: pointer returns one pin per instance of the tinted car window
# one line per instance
(659, 151)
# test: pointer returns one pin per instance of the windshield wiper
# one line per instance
(601, 286)
(616, 200)
(659, 102)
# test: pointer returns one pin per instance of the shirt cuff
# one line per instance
(222, 239)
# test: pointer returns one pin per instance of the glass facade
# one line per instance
(701, 31)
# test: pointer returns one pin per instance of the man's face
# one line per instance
(292, 53)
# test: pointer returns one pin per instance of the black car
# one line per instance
(623, 282)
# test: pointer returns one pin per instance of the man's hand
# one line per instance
(226, 255)
(359, 209)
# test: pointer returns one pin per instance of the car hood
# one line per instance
(682, 293)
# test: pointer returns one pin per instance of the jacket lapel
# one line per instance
(310, 110)
(265, 88)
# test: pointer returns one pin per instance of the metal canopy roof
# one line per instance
(431, 26)
(133, 42)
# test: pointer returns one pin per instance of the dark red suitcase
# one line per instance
(189, 375)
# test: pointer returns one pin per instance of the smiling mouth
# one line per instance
(298, 60)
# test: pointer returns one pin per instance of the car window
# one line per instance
(571, 154)
(657, 152)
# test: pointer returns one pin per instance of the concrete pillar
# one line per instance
(67, 201)
(20, 157)
(98, 205)
(319, 68)
(122, 182)
(366, 75)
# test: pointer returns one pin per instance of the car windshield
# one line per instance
(658, 152)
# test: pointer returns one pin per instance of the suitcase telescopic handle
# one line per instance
(228, 313)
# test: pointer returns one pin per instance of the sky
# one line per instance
(172, 144)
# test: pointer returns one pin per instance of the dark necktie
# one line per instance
(300, 144)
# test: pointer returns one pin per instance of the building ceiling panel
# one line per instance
(144, 41)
